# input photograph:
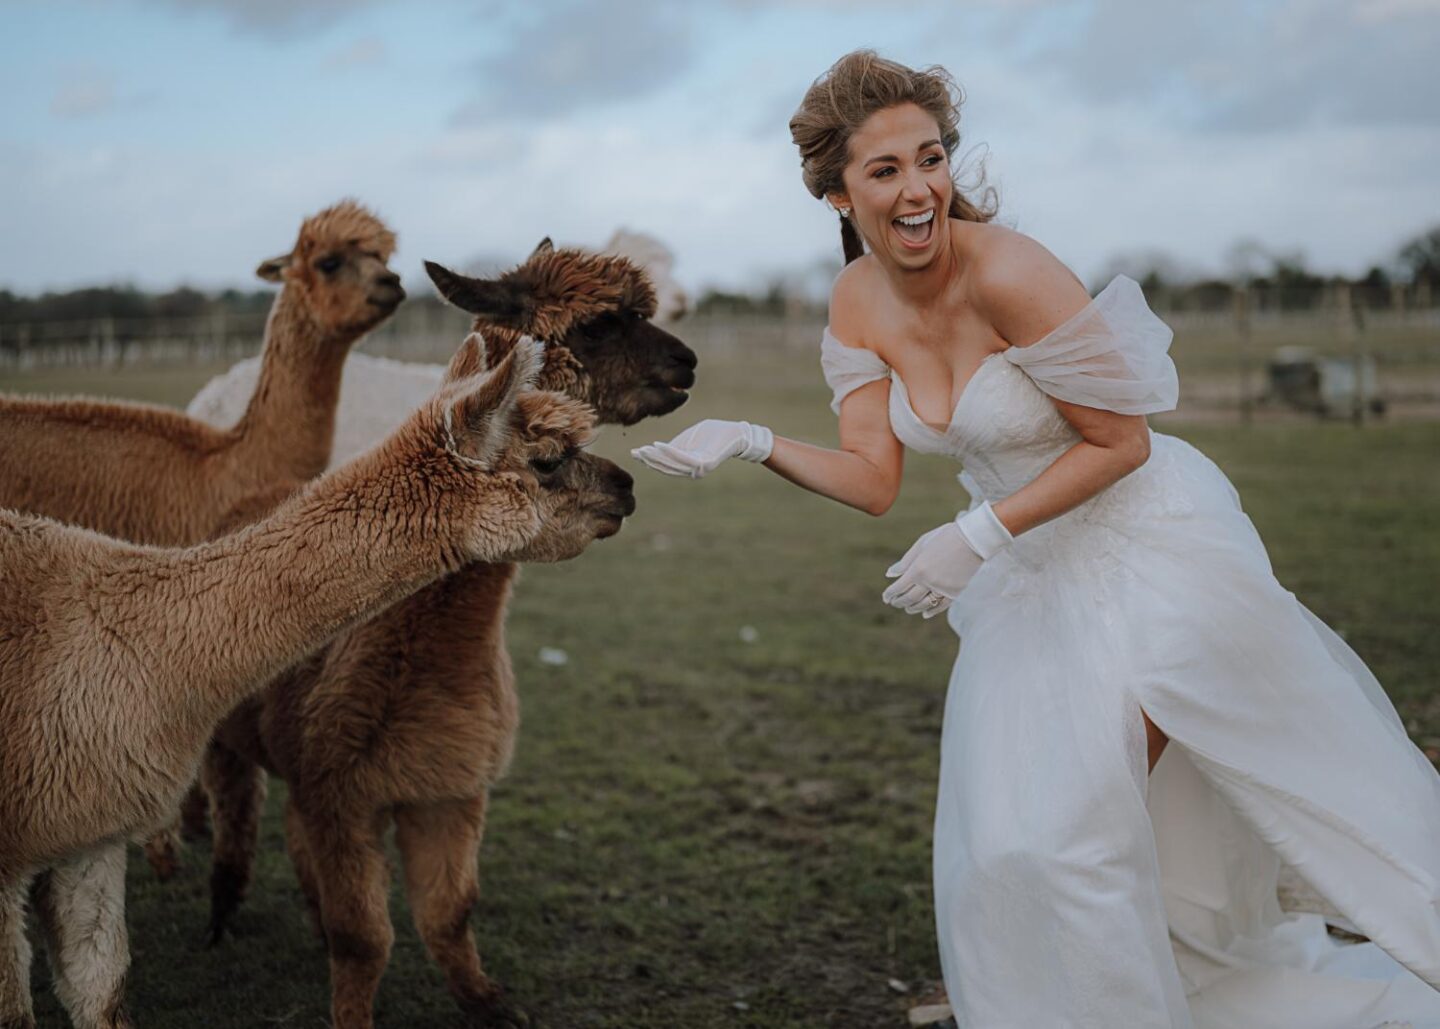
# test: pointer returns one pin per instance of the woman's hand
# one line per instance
(706, 445)
(941, 563)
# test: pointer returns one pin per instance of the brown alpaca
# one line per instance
(152, 475)
(117, 661)
(413, 715)
(593, 311)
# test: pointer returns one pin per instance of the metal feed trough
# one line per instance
(1326, 386)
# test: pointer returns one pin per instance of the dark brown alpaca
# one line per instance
(593, 311)
(117, 661)
(413, 716)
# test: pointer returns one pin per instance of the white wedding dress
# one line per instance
(1071, 890)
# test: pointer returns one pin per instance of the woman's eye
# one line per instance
(881, 173)
(328, 264)
(933, 159)
(547, 465)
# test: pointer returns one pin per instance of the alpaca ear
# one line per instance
(491, 299)
(469, 360)
(545, 246)
(484, 409)
(273, 270)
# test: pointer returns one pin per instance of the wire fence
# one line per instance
(1242, 352)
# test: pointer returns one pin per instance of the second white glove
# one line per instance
(706, 445)
(941, 563)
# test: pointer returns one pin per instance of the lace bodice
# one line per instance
(1004, 429)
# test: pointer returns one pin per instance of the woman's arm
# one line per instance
(1026, 293)
(865, 472)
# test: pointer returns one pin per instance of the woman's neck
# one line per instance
(925, 289)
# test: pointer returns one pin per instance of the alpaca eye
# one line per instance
(599, 328)
(547, 465)
(329, 264)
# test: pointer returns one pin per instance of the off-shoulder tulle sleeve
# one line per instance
(848, 368)
(1113, 355)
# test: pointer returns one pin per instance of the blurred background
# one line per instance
(720, 810)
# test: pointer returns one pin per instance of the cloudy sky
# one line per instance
(168, 141)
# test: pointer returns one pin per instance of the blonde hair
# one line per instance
(838, 103)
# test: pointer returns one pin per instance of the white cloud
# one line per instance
(275, 19)
(582, 54)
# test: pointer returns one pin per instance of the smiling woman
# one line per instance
(1143, 726)
(862, 84)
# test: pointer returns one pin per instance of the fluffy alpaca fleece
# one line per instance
(117, 660)
(411, 717)
(152, 475)
(658, 261)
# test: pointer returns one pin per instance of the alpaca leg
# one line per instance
(162, 850)
(439, 845)
(15, 1009)
(237, 790)
(191, 822)
(304, 864)
(353, 910)
(81, 904)
(195, 813)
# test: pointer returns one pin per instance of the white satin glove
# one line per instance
(941, 563)
(705, 446)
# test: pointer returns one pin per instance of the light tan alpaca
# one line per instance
(117, 660)
(412, 716)
(150, 474)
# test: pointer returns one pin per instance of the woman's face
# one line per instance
(897, 185)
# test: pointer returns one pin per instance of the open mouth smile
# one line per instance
(915, 230)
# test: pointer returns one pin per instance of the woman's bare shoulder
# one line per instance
(852, 302)
(1023, 289)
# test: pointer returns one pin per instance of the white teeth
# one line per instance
(916, 219)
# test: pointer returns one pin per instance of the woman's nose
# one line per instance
(916, 188)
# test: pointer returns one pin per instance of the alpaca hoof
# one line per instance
(493, 1011)
(227, 890)
(214, 935)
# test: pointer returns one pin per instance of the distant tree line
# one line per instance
(1279, 280)
(130, 302)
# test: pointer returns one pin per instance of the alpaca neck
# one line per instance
(350, 545)
(464, 615)
(288, 427)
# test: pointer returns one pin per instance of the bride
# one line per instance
(1144, 730)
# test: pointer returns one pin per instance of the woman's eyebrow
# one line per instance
(892, 157)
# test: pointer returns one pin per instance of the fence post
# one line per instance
(1352, 331)
(1242, 327)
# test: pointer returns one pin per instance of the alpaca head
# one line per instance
(593, 311)
(338, 271)
(581, 497)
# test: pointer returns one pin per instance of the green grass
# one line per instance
(695, 822)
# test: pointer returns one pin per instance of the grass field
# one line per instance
(720, 809)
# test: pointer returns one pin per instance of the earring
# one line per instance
(844, 212)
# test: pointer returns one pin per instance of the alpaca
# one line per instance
(117, 661)
(149, 474)
(411, 718)
(658, 260)
(596, 312)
